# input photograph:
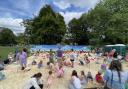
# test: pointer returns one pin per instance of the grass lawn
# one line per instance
(5, 50)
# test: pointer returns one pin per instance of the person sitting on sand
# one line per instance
(67, 62)
(60, 72)
(99, 78)
(81, 62)
(75, 81)
(34, 62)
(89, 77)
(49, 80)
(87, 61)
(83, 78)
(51, 66)
(34, 82)
(40, 64)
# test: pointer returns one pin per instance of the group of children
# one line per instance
(39, 65)
(76, 81)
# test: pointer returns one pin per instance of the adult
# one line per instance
(59, 54)
(51, 55)
(72, 57)
(75, 82)
(24, 54)
(23, 59)
(34, 82)
(114, 77)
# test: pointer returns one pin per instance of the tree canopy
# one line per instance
(7, 37)
(108, 22)
(46, 28)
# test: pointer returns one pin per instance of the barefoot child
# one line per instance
(40, 64)
(89, 77)
(60, 72)
(83, 78)
(49, 80)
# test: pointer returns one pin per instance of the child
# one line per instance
(60, 72)
(49, 80)
(67, 63)
(40, 64)
(99, 78)
(81, 62)
(83, 78)
(89, 77)
(87, 61)
(34, 62)
(105, 60)
(75, 81)
(56, 66)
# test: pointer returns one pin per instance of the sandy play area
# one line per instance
(15, 79)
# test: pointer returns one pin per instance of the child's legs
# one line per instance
(72, 63)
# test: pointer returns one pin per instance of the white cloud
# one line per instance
(13, 24)
(79, 3)
(62, 4)
(68, 16)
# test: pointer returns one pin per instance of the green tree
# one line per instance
(79, 30)
(109, 22)
(7, 37)
(21, 39)
(47, 28)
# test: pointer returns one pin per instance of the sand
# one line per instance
(15, 79)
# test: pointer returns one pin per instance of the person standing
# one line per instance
(51, 55)
(24, 54)
(115, 77)
(72, 58)
(59, 53)
(23, 59)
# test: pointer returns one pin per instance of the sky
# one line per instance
(13, 12)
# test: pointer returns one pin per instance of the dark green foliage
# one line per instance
(7, 37)
(47, 28)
